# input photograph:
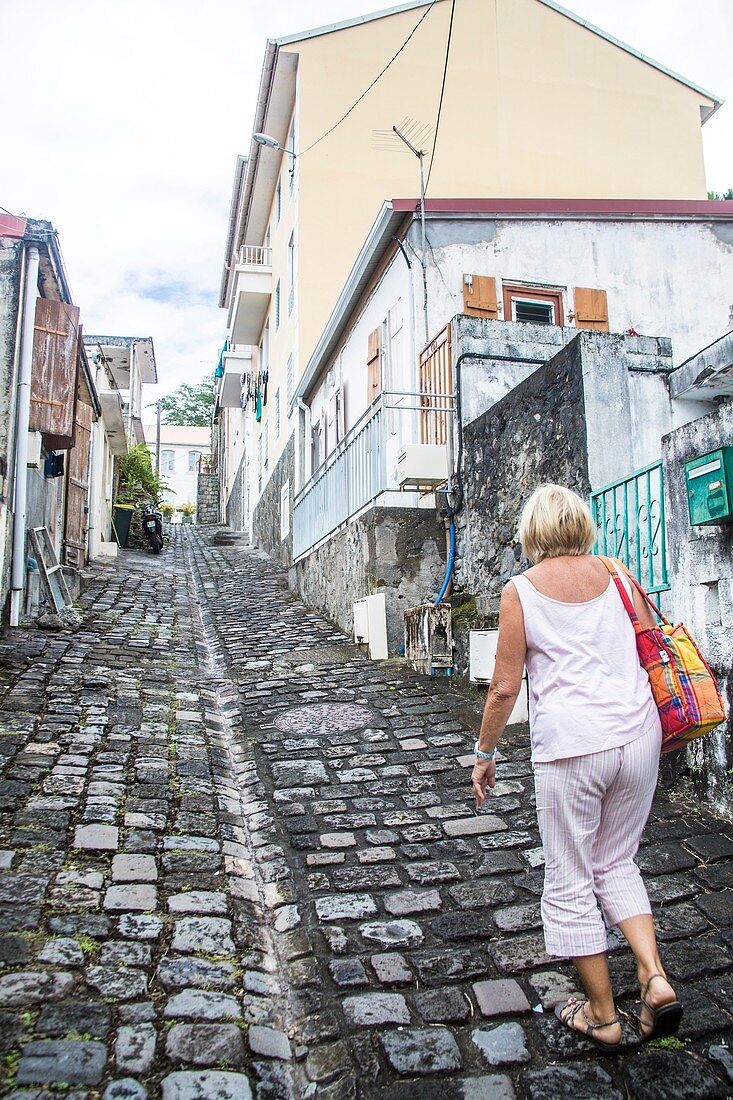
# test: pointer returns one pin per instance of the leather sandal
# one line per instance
(571, 1008)
(665, 1019)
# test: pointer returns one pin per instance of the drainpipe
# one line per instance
(20, 507)
(95, 477)
(305, 409)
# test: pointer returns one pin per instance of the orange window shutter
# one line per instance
(591, 308)
(374, 362)
(479, 296)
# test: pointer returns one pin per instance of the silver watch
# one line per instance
(483, 755)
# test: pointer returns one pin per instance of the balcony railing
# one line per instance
(360, 468)
(629, 516)
(254, 256)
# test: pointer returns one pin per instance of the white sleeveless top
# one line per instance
(588, 691)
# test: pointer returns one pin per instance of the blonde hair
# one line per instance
(556, 521)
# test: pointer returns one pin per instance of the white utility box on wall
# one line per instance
(422, 464)
(482, 649)
(370, 625)
(34, 450)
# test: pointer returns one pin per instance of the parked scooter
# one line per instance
(152, 523)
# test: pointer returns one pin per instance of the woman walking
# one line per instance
(596, 740)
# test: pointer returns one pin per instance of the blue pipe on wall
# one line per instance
(451, 563)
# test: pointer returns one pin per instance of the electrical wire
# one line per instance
(442, 91)
(376, 79)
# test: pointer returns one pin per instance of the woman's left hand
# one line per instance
(483, 775)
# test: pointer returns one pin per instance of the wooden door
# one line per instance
(77, 490)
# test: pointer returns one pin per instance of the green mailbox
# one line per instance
(709, 480)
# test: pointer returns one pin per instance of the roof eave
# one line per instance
(716, 100)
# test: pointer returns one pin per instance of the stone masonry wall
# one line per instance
(398, 551)
(207, 499)
(266, 518)
(701, 574)
(537, 433)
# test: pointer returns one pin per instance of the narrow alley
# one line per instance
(246, 862)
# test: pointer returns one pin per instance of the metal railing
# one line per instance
(360, 468)
(629, 516)
(254, 256)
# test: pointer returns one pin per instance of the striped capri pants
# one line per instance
(591, 812)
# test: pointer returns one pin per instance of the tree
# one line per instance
(189, 406)
(717, 195)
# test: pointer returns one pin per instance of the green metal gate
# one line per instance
(629, 516)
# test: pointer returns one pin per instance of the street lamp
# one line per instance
(272, 143)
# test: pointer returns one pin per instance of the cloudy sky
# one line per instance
(127, 117)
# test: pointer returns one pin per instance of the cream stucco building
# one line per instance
(538, 104)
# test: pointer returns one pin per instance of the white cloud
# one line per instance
(129, 114)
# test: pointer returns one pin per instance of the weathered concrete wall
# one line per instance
(398, 551)
(701, 574)
(624, 384)
(671, 276)
(11, 252)
(267, 516)
(207, 496)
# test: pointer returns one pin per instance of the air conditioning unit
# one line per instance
(429, 638)
(370, 625)
(482, 658)
(422, 464)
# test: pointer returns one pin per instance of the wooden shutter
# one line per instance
(54, 372)
(479, 298)
(374, 364)
(591, 308)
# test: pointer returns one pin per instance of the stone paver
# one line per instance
(238, 859)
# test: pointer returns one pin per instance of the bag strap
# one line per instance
(610, 565)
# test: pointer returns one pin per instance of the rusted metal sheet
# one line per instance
(429, 637)
(77, 490)
(54, 372)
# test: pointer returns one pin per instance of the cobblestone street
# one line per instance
(240, 859)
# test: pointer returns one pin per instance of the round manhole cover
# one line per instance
(325, 718)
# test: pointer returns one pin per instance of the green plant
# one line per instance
(137, 482)
(188, 508)
(671, 1042)
(167, 509)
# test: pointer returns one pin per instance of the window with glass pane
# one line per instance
(193, 461)
(533, 305)
(291, 147)
(277, 305)
(167, 460)
(277, 412)
(278, 201)
(291, 272)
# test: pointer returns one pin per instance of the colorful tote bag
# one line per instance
(684, 688)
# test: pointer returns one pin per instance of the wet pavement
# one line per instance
(240, 859)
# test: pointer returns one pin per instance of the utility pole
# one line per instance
(420, 154)
(157, 438)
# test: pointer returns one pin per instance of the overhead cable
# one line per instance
(378, 77)
(442, 91)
